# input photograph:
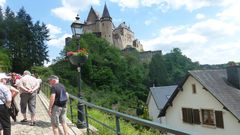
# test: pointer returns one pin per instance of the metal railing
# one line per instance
(73, 100)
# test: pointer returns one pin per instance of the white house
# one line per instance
(207, 102)
(157, 98)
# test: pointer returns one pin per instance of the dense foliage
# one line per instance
(108, 77)
(118, 80)
(170, 68)
(5, 64)
(23, 39)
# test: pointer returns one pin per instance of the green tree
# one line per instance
(108, 76)
(5, 63)
(24, 40)
(157, 71)
(177, 65)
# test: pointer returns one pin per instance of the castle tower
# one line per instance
(106, 25)
(92, 16)
(92, 24)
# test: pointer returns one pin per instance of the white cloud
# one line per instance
(215, 53)
(58, 42)
(65, 13)
(70, 8)
(200, 16)
(190, 5)
(231, 11)
(211, 41)
(127, 3)
(214, 27)
(2, 3)
(150, 21)
(172, 35)
(53, 30)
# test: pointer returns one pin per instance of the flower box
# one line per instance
(78, 60)
(78, 57)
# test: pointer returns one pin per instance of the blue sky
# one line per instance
(207, 31)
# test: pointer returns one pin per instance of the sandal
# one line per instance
(24, 120)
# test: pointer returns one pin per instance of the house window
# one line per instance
(191, 115)
(194, 91)
(208, 117)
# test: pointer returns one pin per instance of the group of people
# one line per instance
(28, 86)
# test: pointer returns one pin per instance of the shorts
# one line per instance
(58, 115)
(28, 99)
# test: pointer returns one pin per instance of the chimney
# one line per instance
(233, 75)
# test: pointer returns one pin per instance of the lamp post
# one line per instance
(77, 30)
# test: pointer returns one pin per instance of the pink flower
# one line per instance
(80, 52)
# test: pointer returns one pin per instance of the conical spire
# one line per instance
(105, 12)
(92, 15)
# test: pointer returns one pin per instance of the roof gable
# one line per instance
(162, 94)
(215, 81)
(92, 16)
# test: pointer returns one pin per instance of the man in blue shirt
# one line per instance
(57, 106)
(5, 102)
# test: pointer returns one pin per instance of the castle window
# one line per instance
(102, 24)
(194, 91)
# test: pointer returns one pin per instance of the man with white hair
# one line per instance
(57, 106)
(28, 88)
(5, 102)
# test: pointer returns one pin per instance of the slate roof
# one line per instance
(215, 81)
(160, 94)
(105, 12)
(92, 12)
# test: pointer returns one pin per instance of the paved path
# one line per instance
(43, 126)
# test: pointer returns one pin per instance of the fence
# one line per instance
(73, 100)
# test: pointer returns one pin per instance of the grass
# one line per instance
(126, 128)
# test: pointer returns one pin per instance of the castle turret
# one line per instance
(92, 16)
(107, 25)
(106, 13)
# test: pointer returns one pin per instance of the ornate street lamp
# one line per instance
(77, 30)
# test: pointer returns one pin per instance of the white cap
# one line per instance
(4, 76)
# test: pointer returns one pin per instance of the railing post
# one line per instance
(118, 132)
(86, 117)
(80, 122)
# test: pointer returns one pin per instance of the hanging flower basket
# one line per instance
(79, 57)
(78, 60)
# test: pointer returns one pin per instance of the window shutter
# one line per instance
(196, 116)
(184, 114)
(189, 115)
(219, 119)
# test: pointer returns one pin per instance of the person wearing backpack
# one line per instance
(57, 106)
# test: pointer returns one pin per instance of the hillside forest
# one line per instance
(116, 79)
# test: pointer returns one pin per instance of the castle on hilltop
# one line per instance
(122, 36)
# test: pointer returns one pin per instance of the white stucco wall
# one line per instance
(201, 100)
(153, 110)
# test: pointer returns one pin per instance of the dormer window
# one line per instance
(194, 91)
